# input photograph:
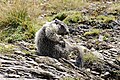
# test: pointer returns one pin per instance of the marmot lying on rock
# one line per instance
(50, 42)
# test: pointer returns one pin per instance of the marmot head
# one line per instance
(62, 27)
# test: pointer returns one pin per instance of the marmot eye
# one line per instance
(56, 21)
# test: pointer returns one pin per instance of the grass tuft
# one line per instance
(90, 58)
(6, 49)
(93, 32)
(16, 24)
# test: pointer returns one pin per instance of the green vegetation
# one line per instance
(56, 6)
(114, 8)
(20, 19)
(70, 16)
(6, 48)
(105, 19)
(26, 52)
(16, 23)
(106, 36)
(69, 78)
(92, 32)
(75, 17)
(90, 58)
(61, 16)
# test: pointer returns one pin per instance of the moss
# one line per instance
(26, 52)
(93, 32)
(75, 17)
(70, 78)
(105, 38)
(61, 16)
(6, 48)
(90, 58)
(69, 16)
(105, 19)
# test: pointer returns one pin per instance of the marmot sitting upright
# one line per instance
(50, 42)
(49, 37)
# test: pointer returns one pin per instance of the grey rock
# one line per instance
(113, 60)
(8, 62)
(27, 75)
(101, 38)
(88, 69)
(12, 76)
(106, 56)
(114, 55)
(6, 57)
(32, 62)
(118, 58)
(1, 76)
(107, 53)
(43, 59)
(105, 75)
(19, 53)
(113, 50)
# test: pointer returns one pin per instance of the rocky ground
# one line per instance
(107, 50)
(94, 26)
(31, 66)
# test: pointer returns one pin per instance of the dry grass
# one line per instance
(64, 5)
(38, 9)
(18, 19)
(34, 13)
(33, 8)
(114, 7)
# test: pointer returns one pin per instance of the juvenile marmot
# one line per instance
(50, 42)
